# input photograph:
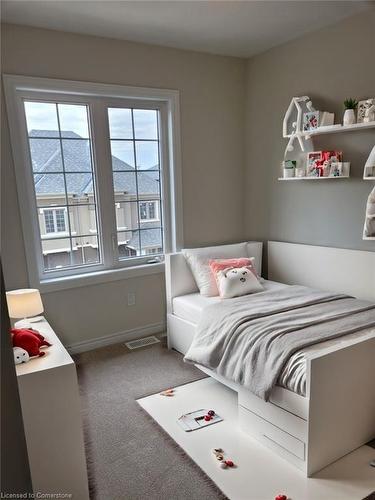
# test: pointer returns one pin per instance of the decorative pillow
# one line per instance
(237, 281)
(217, 265)
(198, 260)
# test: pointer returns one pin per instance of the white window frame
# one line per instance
(98, 96)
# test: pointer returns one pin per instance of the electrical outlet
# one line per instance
(131, 299)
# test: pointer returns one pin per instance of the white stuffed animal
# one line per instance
(234, 282)
(20, 355)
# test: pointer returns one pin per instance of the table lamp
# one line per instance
(24, 303)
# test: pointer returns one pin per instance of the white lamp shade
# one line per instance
(24, 303)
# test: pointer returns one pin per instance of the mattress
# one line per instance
(191, 306)
(293, 376)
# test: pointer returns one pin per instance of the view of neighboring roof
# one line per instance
(149, 238)
(46, 158)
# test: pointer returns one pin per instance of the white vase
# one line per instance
(349, 117)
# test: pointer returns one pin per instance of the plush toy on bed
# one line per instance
(234, 282)
(20, 355)
(29, 340)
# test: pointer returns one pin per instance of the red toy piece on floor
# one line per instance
(30, 340)
(281, 497)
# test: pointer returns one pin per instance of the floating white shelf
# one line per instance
(312, 178)
(332, 129)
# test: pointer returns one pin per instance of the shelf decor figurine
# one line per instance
(369, 229)
(349, 114)
(369, 170)
(363, 111)
(370, 111)
(292, 123)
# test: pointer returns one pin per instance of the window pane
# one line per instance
(45, 155)
(41, 119)
(151, 241)
(49, 189)
(56, 253)
(83, 219)
(128, 244)
(120, 123)
(145, 124)
(64, 183)
(138, 193)
(148, 185)
(122, 155)
(48, 221)
(77, 155)
(85, 250)
(124, 183)
(126, 216)
(60, 220)
(73, 120)
(147, 155)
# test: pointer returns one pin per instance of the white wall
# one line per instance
(212, 121)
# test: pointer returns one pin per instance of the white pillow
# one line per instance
(237, 281)
(198, 260)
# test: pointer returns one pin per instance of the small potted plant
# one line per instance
(349, 115)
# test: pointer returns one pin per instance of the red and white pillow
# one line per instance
(235, 277)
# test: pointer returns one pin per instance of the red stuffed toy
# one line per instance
(30, 340)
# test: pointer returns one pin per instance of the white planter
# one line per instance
(349, 117)
(288, 172)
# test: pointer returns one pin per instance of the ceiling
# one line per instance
(235, 28)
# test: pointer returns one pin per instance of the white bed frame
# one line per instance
(338, 413)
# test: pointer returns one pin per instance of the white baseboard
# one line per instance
(115, 338)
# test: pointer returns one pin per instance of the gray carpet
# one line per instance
(129, 456)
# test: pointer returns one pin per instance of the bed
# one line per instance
(307, 418)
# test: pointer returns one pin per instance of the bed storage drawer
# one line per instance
(289, 422)
(273, 437)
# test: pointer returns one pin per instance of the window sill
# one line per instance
(100, 277)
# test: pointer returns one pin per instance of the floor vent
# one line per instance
(136, 344)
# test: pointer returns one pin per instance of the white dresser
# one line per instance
(52, 419)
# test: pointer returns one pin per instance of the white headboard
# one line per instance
(180, 281)
(327, 268)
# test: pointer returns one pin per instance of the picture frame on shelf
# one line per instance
(313, 159)
(336, 169)
(339, 169)
(313, 120)
(319, 164)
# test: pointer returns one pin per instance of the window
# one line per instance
(147, 211)
(96, 172)
(54, 220)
